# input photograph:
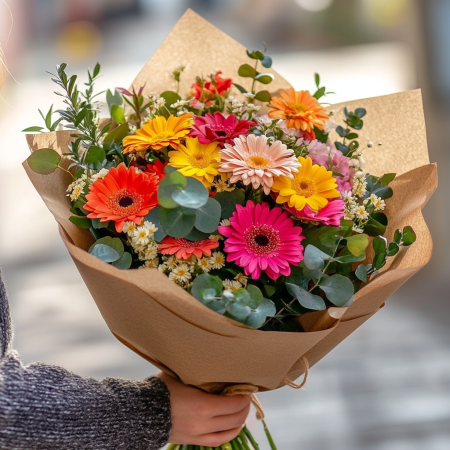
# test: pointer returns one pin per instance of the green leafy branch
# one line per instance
(352, 120)
(248, 71)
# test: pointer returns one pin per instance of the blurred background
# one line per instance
(387, 387)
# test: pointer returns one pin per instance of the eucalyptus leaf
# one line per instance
(124, 262)
(338, 289)
(229, 200)
(175, 223)
(305, 298)
(296, 277)
(95, 156)
(44, 161)
(393, 249)
(247, 71)
(357, 244)
(208, 216)
(314, 258)
(238, 311)
(194, 195)
(267, 62)
(117, 135)
(153, 217)
(409, 236)
(204, 282)
(263, 96)
(172, 182)
(259, 316)
(386, 178)
(105, 253)
(264, 78)
(196, 235)
(361, 273)
(114, 243)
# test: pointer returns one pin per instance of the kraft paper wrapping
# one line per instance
(167, 326)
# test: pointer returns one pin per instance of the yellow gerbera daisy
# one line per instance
(159, 133)
(312, 185)
(197, 160)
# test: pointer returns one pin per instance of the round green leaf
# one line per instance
(44, 161)
(263, 96)
(237, 311)
(124, 262)
(267, 62)
(409, 236)
(208, 216)
(202, 286)
(357, 244)
(170, 97)
(228, 202)
(393, 249)
(314, 258)
(296, 277)
(379, 245)
(173, 182)
(255, 54)
(153, 217)
(338, 289)
(361, 273)
(114, 243)
(264, 78)
(247, 71)
(175, 223)
(305, 298)
(193, 196)
(105, 253)
(257, 318)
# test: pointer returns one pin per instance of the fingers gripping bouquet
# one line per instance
(261, 238)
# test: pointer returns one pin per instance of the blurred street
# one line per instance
(387, 387)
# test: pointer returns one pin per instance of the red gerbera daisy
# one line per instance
(122, 196)
(157, 168)
(217, 127)
(183, 249)
(209, 90)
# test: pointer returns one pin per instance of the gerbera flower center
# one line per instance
(298, 108)
(304, 187)
(258, 162)
(185, 243)
(199, 160)
(125, 202)
(221, 131)
(262, 240)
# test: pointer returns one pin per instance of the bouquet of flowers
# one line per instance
(244, 207)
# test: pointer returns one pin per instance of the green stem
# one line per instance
(250, 437)
(243, 440)
(254, 79)
(65, 170)
(172, 447)
(269, 436)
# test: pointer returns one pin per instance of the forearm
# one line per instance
(47, 407)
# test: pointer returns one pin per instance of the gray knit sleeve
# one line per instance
(46, 407)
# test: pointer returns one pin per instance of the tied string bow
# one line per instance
(249, 391)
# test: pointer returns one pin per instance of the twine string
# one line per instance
(249, 391)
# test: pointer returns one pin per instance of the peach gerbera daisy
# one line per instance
(312, 185)
(122, 196)
(252, 160)
(183, 248)
(300, 110)
(159, 133)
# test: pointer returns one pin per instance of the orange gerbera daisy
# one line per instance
(183, 249)
(123, 195)
(300, 110)
(159, 133)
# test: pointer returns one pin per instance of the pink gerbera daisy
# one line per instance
(217, 127)
(252, 160)
(260, 238)
(330, 214)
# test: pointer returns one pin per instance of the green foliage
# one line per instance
(361, 273)
(208, 216)
(305, 298)
(263, 96)
(94, 157)
(113, 99)
(108, 250)
(175, 222)
(229, 200)
(357, 244)
(118, 114)
(337, 288)
(117, 135)
(314, 258)
(321, 90)
(245, 305)
(81, 222)
(44, 161)
(51, 126)
(408, 236)
(153, 217)
(124, 262)
(170, 97)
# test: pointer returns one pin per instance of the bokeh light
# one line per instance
(80, 41)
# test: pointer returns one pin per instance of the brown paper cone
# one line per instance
(170, 328)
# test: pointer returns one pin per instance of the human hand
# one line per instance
(199, 418)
